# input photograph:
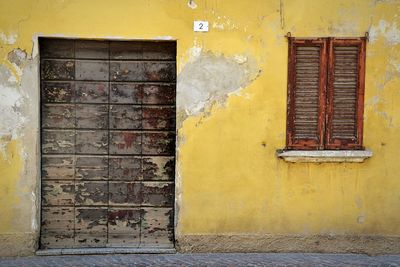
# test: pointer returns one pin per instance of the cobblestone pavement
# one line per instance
(217, 259)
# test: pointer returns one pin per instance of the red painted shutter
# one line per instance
(345, 94)
(306, 93)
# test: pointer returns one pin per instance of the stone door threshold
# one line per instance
(88, 251)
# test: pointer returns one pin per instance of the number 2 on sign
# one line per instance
(200, 26)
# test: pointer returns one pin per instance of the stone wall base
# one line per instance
(371, 245)
(25, 244)
(18, 244)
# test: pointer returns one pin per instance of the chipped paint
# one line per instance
(192, 4)
(388, 30)
(211, 78)
(11, 100)
(8, 39)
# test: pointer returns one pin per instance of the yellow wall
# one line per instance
(228, 177)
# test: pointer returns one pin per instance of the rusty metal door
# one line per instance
(107, 143)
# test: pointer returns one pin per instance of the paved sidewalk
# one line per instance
(217, 259)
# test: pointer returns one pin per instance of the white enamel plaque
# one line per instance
(200, 26)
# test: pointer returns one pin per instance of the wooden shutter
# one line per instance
(306, 94)
(345, 94)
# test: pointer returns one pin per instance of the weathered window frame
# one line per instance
(325, 140)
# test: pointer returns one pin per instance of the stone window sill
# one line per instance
(324, 155)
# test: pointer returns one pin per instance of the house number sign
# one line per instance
(200, 26)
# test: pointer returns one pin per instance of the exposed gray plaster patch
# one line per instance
(17, 57)
(211, 78)
(11, 99)
(19, 120)
(29, 134)
(8, 39)
(388, 30)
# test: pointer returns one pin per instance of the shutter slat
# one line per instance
(308, 111)
(344, 120)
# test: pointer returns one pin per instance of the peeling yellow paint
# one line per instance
(229, 179)
(10, 171)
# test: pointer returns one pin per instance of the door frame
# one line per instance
(38, 206)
